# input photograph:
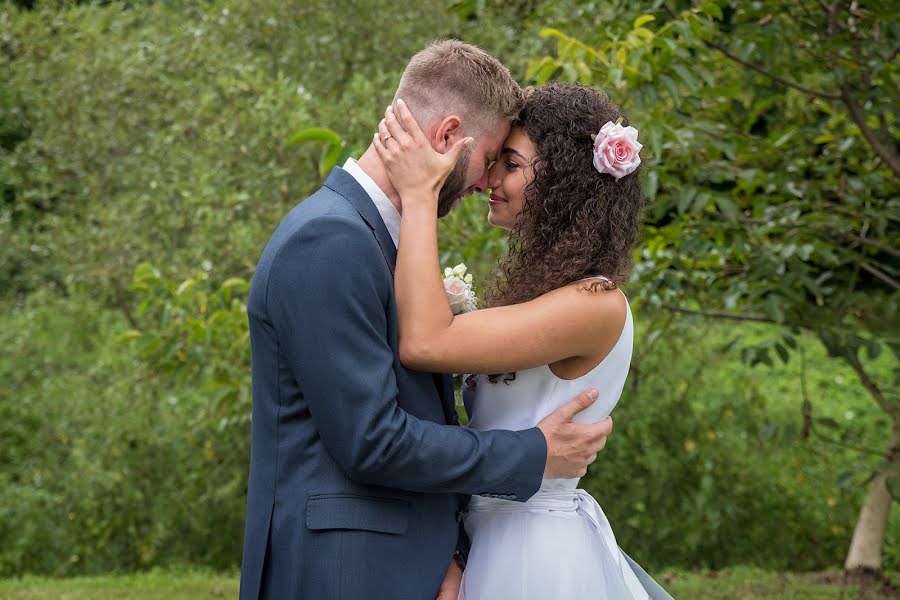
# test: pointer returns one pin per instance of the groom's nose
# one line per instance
(482, 184)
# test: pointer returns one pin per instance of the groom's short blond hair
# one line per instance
(453, 77)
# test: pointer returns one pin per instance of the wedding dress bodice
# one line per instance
(535, 393)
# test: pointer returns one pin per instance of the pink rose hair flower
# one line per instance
(616, 150)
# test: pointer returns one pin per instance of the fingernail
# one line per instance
(594, 394)
(400, 101)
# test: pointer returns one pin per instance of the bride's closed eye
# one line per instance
(511, 166)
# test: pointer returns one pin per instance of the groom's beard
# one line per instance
(454, 185)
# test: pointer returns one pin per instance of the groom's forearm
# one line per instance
(380, 444)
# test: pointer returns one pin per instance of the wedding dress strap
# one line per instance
(594, 277)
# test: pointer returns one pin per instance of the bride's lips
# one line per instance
(495, 199)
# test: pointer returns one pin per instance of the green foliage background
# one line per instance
(144, 163)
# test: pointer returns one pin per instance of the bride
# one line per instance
(554, 323)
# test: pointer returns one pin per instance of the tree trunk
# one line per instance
(864, 557)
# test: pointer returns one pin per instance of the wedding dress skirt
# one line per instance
(558, 545)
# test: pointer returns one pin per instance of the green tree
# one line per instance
(772, 170)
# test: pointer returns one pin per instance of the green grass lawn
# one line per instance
(738, 583)
(755, 584)
(155, 585)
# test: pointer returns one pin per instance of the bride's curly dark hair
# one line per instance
(576, 222)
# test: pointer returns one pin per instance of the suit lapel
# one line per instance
(344, 184)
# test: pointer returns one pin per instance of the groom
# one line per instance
(356, 461)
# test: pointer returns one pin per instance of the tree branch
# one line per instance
(859, 449)
(806, 407)
(885, 152)
(773, 76)
(880, 275)
(886, 249)
(124, 305)
(731, 317)
(891, 409)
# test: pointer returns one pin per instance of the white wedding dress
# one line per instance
(558, 544)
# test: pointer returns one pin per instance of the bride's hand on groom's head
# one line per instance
(415, 169)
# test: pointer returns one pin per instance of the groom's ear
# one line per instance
(446, 133)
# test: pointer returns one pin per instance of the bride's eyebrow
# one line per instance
(508, 150)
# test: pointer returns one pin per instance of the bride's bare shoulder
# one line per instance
(594, 297)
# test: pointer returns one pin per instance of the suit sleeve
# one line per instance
(327, 297)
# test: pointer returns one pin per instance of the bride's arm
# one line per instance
(567, 322)
(561, 324)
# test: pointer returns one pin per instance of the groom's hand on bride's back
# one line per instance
(571, 447)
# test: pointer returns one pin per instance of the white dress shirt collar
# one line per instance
(389, 213)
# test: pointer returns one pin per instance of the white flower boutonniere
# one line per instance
(460, 290)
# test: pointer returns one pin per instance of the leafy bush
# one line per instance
(109, 466)
(160, 132)
(709, 464)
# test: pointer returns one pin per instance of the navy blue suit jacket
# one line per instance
(356, 461)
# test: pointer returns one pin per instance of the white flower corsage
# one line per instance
(460, 290)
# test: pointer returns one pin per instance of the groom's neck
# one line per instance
(374, 168)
